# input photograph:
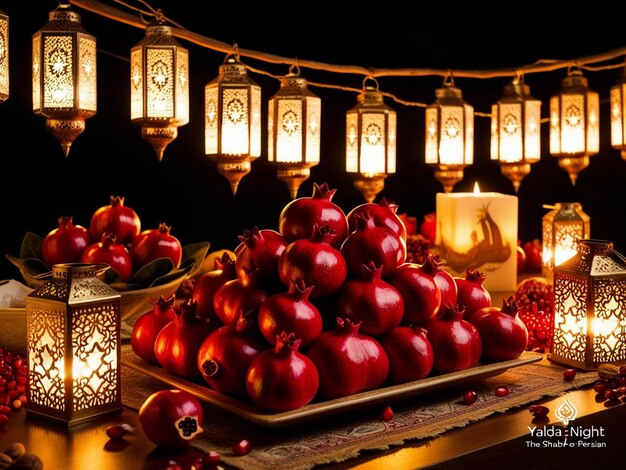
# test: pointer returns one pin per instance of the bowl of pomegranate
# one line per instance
(144, 263)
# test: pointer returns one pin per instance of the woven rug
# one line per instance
(348, 435)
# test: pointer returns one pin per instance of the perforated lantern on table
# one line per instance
(73, 336)
(590, 307)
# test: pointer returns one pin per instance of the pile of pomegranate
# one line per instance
(114, 237)
(13, 384)
(325, 307)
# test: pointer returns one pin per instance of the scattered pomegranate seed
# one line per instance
(502, 391)
(612, 393)
(118, 431)
(469, 397)
(387, 413)
(213, 457)
(242, 447)
(569, 374)
(538, 411)
(4, 419)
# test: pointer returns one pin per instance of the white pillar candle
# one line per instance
(479, 231)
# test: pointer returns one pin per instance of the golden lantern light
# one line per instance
(515, 131)
(294, 131)
(618, 114)
(73, 346)
(590, 307)
(449, 135)
(64, 75)
(4, 56)
(562, 227)
(159, 85)
(233, 120)
(574, 124)
(370, 141)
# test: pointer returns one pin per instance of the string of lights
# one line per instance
(160, 104)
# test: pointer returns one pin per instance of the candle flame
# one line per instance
(476, 188)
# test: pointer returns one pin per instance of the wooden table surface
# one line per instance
(499, 441)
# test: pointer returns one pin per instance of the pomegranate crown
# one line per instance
(393, 207)
(163, 303)
(510, 306)
(116, 200)
(299, 289)
(225, 262)
(287, 342)
(322, 233)
(475, 276)
(323, 191)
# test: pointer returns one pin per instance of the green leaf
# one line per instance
(29, 266)
(193, 255)
(31, 246)
(147, 274)
(169, 277)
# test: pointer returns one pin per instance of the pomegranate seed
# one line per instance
(569, 374)
(538, 411)
(502, 391)
(4, 419)
(118, 431)
(242, 447)
(213, 457)
(599, 387)
(5, 410)
(387, 413)
(23, 399)
(469, 397)
(611, 393)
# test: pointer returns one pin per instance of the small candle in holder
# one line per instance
(479, 231)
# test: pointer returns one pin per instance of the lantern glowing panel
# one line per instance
(159, 86)
(294, 131)
(64, 75)
(574, 124)
(449, 135)
(618, 114)
(515, 131)
(4, 56)
(73, 333)
(562, 227)
(590, 307)
(232, 121)
(370, 142)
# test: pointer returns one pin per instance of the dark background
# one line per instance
(184, 190)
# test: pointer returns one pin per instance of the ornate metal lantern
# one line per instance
(294, 131)
(449, 135)
(574, 124)
(233, 121)
(370, 141)
(590, 307)
(4, 56)
(562, 227)
(516, 132)
(618, 114)
(64, 75)
(73, 332)
(159, 85)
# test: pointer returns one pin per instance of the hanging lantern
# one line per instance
(159, 85)
(449, 135)
(574, 124)
(4, 56)
(64, 75)
(233, 120)
(590, 307)
(618, 114)
(73, 346)
(516, 132)
(370, 141)
(294, 131)
(562, 227)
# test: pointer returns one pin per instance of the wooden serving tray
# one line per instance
(333, 407)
